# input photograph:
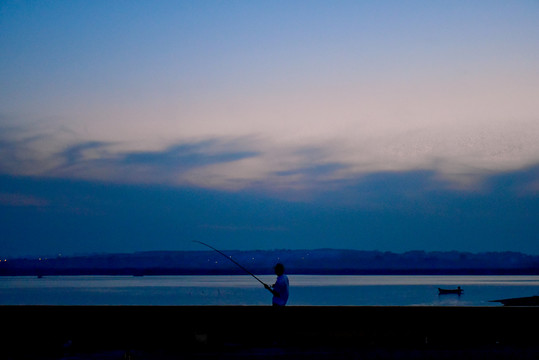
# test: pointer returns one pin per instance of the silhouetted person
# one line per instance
(280, 288)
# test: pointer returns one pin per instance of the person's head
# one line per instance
(279, 269)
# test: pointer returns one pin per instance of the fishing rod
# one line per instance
(235, 262)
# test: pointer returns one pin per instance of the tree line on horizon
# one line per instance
(317, 261)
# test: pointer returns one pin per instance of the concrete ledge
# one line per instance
(205, 331)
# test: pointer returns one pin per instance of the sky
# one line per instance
(375, 125)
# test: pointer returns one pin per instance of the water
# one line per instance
(244, 290)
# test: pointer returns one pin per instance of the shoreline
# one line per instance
(6, 271)
(56, 332)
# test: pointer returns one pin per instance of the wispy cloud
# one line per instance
(84, 151)
(459, 158)
(111, 162)
(15, 199)
(182, 157)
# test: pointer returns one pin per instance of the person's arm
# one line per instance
(271, 290)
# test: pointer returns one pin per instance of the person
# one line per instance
(280, 288)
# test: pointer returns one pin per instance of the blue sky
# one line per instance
(385, 125)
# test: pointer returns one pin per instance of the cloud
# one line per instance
(107, 161)
(461, 157)
(77, 153)
(21, 200)
(188, 155)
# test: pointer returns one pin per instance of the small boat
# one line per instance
(522, 301)
(457, 291)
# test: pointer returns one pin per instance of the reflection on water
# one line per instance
(244, 290)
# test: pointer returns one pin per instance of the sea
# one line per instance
(318, 290)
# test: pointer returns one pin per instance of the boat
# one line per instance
(457, 291)
(521, 301)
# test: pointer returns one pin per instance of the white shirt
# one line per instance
(281, 287)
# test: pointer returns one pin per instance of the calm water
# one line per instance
(244, 290)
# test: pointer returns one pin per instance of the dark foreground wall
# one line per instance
(221, 331)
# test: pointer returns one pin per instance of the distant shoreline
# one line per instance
(308, 262)
(209, 272)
